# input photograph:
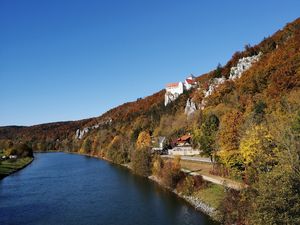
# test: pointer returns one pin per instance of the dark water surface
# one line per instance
(60, 188)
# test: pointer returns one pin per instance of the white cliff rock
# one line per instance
(190, 107)
(243, 64)
(80, 133)
(214, 84)
(235, 72)
(170, 97)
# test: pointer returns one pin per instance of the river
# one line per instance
(69, 189)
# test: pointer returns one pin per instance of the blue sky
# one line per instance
(74, 59)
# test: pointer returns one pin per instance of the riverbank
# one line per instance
(10, 166)
(198, 203)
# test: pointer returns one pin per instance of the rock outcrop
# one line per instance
(235, 72)
(243, 64)
(169, 97)
(190, 107)
(80, 133)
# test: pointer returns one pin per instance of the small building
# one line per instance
(183, 150)
(184, 147)
(159, 142)
(190, 82)
(185, 140)
(175, 88)
(13, 156)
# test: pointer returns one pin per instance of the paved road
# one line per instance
(190, 158)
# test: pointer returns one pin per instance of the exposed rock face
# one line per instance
(169, 97)
(235, 72)
(214, 83)
(243, 64)
(190, 107)
(80, 133)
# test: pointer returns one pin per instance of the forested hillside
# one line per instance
(249, 124)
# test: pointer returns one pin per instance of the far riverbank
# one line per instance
(10, 166)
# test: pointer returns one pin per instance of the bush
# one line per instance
(187, 187)
(191, 184)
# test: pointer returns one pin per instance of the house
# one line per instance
(190, 82)
(160, 143)
(184, 147)
(185, 140)
(174, 90)
(13, 156)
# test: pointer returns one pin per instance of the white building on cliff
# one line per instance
(173, 90)
(190, 82)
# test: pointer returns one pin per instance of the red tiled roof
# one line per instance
(184, 138)
(189, 81)
(173, 84)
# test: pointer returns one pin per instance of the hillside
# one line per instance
(276, 75)
(245, 115)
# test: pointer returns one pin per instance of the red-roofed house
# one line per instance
(190, 82)
(183, 147)
(173, 90)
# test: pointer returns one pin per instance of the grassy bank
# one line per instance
(10, 166)
(211, 195)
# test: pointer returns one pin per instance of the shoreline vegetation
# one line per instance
(10, 166)
(14, 157)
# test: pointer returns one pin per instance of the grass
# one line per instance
(11, 165)
(201, 167)
(211, 195)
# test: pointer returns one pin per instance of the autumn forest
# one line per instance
(249, 127)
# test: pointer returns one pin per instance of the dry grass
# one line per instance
(200, 167)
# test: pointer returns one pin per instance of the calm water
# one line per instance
(60, 188)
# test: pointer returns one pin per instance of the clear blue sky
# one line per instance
(74, 59)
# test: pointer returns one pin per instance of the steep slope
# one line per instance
(274, 75)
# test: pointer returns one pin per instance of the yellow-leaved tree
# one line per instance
(143, 141)
(229, 141)
(254, 143)
(259, 152)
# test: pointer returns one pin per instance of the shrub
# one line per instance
(191, 184)
(187, 186)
